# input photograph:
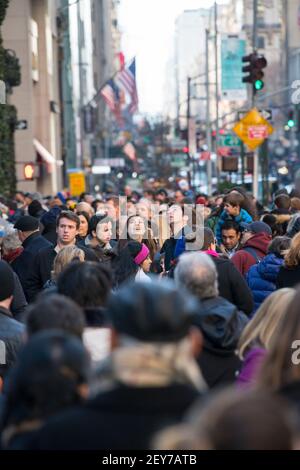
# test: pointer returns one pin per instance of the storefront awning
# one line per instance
(45, 154)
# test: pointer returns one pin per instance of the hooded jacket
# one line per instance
(221, 325)
(262, 277)
(243, 259)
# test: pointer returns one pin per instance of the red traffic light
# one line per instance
(185, 150)
(29, 171)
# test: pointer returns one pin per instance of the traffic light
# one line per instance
(29, 171)
(291, 120)
(254, 68)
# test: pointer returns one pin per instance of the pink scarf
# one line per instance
(212, 253)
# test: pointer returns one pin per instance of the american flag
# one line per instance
(129, 150)
(111, 94)
(127, 81)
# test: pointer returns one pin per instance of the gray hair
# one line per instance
(11, 242)
(198, 274)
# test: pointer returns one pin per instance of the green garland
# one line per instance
(10, 73)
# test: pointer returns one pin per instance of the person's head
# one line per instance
(84, 207)
(67, 228)
(282, 201)
(161, 195)
(265, 323)
(129, 261)
(7, 285)
(64, 257)
(280, 246)
(88, 283)
(178, 196)
(176, 216)
(292, 257)
(54, 312)
(255, 228)
(240, 420)
(197, 273)
(271, 220)
(247, 202)
(295, 204)
(136, 227)
(84, 223)
(100, 228)
(231, 234)
(35, 208)
(19, 197)
(10, 243)
(154, 320)
(143, 208)
(281, 365)
(112, 207)
(51, 374)
(127, 190)
(26, 226)
(232, 203)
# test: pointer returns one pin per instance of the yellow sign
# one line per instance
(253, 129)
(76, 183)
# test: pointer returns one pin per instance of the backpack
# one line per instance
(253, 253)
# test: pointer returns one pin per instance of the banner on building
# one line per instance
(233, 48)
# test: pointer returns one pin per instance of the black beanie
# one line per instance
(7, 281)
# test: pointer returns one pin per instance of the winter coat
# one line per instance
(23, 265)
(121, 418)
(294, 225)
(221, 325)
(262, 277)
(243, 259)
(243, 217)
(19, 303)
(288, 277)
(250, 369)
(11, 340)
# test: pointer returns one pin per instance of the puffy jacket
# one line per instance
(221, 325)
(262, 277)
(243, 217)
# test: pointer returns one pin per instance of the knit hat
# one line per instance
(27, 223)
(7, 281)
(51, 216)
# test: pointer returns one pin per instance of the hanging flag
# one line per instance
(129, 150)
(127, 81)
(111, 94)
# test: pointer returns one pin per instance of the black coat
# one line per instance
(232, 285)
(11, 339)
(19, 302)
(221, 325)
(23, 264)
(122, 418)
(288, 277)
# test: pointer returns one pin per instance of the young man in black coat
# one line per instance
(67, 226)
(152, 377)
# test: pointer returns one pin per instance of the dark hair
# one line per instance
(70, 216)
(231, 225)
(88, 283)
(154, 312)
(234, 199)
(34, 208)
(271, 220)
(279, 245)
(282, 201)
(55, 312)
(208, 238)
(246, 204)
(45, 379)
(98, 219)
(84, 214)
(124, 267)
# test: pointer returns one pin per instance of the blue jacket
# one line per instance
(243, 217)
(261, 278)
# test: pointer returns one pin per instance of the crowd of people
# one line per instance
(155, 320)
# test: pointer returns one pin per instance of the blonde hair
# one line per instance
(64, 257)
(260, 330)
(292, 258)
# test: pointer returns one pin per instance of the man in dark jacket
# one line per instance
(219, 321)
(32, 242)
(11, 331)
(67, 227)
(153, 377)
(231, 284)
(256, 239)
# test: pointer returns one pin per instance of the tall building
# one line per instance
(30, 30)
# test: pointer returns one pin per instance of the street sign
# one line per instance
(229, 140)
(21, 125)
(253, 129)
(112, 162)
(233, 48)
(265, 113)
(77, 183)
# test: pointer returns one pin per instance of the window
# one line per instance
(260, 42)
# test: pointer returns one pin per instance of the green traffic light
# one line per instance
(291, 123)
(258, 85)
